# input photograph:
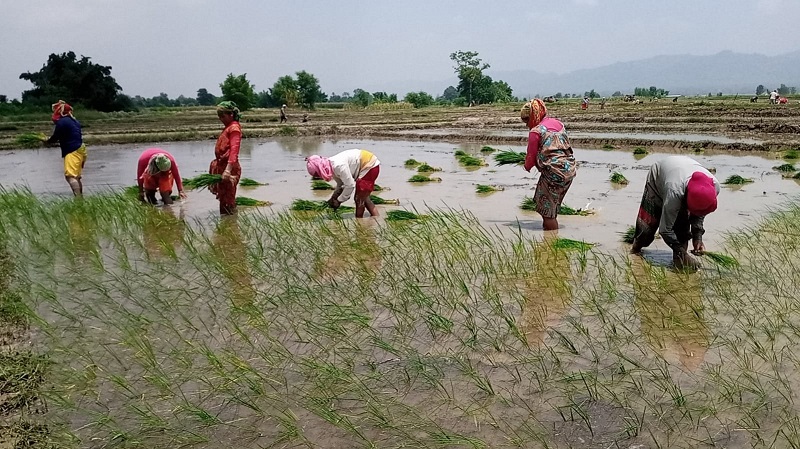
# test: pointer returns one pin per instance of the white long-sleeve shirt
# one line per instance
(349, 166)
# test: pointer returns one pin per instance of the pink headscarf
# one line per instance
(319, 167)
(701, 195)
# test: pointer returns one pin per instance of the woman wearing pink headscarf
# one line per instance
(354, 171)
(550, 152)
(679, 193)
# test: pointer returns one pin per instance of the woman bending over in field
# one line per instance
(550, 152)
(353, 170)
(226, 162)
(157, 170)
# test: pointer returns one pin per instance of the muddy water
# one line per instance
(280, 163)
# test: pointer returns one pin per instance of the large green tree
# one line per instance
(308, 90)
(238, 89)
(65, 77)
(205, 98)
(419, 99)
(469, 69)
(284, 91)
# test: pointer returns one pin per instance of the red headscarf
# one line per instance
(61, 109)
(701, 195)
(533, 112)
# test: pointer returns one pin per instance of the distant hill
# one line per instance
(726, 72)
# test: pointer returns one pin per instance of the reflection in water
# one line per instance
(548, 289)
(305, 146)
(84, 244)
(229, 248)
(670, 306)
(163, 232)
(353, 249)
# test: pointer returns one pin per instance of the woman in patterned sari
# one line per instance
(226, 162)
(550, 152)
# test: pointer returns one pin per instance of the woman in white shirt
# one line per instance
(353, 170)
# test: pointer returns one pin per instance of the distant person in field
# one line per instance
(226, 161)
(549, 150)
(354, 171)
(67, 133)
(283, 113)
(157, 170)
(773, 97)
(678, 195)
(585, 103)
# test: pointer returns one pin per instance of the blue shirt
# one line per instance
(68, 134)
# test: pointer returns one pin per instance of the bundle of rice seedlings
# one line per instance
(425, 168)
(509, 157)
(378, 200)
(318, 184)
(402, 215)
(317, 206)
(529, 204)
(796, 176)
(720, 259)
(379, 188)
(737, 180)
(30, 140)
(639, 151)
(470, 161)
(791, 154)
(247, 182)
(201, 181)
(569, 244)
(608, 146)
(629, 234)
(619, 178)
(488, 149)
(460, 153)
(423, 178)
(245, 201)
(785, 168)
(411, 163)
(482, 188)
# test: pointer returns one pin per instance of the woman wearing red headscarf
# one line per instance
(354, 171)
(67, 133)
(679, 193)
(550, 152)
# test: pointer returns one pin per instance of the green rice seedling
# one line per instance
(30, 140)
(737, 180)
(460, 153)
(720, 259)
(287, 131)
(569, 244)
(378, 200)
(796, 176)
(483, 188)
(317, 206)
(423, 178)
(488, 149)
(791, 154)
(608, 146)
(785, 168)
(379, 188)
(619, 178)
(425, 168)
(21, 374)
(250, 202)
(628, 235)
(402, 215)
(318, 184)
(471, 161)
(411, 163)
(247, 182)
(639, 151)
(201, 181)
(528, 203)
(509, 157)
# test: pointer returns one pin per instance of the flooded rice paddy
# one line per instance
(469, 328)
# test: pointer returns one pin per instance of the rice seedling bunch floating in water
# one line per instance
(379, 188)
(425, 168)
(460, 153)
(317, 206)
(423, 178)
(509, 157)
(608, 146)
(245, 201)
(529, 204)
(629, 234)
(378, 200)
(785, 168)
(482, 188)
(402, 215)
(411, 163)
(488, 149)
(737, 180)
(796, 176)
(30, 140)
(639, 151)
(201, 181)
(619, 178)
(247, 182)
(720, 259)
(791, 154)
(470, 161)
(318, 184)
(569, 244)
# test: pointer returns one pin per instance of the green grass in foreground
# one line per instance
(445, 333)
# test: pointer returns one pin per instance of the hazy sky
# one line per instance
(178, 46)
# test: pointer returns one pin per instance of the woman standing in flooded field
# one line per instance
(67, 133)
(353, 170)
(226, 162)
(550, 152)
